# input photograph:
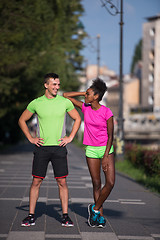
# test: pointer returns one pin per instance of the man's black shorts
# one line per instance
(43, 155)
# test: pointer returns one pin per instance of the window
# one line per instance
(151, 77)
(150, 100)
(152, 32)
(151, 54)
(151, 67)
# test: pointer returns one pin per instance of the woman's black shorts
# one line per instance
(43, 155)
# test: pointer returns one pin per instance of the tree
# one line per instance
(137, 55)
(36, 37)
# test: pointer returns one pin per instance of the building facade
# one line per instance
(151, 64)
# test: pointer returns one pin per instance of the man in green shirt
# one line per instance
(50, 142)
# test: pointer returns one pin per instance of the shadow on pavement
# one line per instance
(51, 210)
(55, 211)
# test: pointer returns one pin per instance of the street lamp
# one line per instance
(113, 10)
(98, 55)
(80, 28)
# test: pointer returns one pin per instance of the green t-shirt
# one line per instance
(51, 117)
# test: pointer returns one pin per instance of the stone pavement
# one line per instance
(131, 211)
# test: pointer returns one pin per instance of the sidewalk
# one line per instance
(131, 211)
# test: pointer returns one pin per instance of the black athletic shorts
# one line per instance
(43, 155)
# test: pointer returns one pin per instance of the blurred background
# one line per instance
(116, 40)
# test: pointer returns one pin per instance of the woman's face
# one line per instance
(89, 96)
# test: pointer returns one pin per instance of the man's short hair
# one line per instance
(50, 75)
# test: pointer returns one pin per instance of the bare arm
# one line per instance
(26, 115)
(76, 102)
(110, 130)
(77, 121)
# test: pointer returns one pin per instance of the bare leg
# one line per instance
(34, 194)
(94, 166)
(109, 182)
(63, 193)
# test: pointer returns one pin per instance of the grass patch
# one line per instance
(139, 175)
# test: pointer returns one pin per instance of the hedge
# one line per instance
(147, 159)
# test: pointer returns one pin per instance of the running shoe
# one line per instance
(101, 222)
(93, 216)
(67, 222)
(28, 221)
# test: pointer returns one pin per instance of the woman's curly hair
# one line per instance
(99, 87)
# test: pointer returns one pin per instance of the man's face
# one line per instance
(52, 86)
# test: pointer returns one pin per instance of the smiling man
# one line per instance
(50, 143)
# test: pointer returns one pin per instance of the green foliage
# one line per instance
(140, 157)
(141, 164)
(36, 37)
(137, 55)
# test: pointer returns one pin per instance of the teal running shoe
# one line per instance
(101, 222)
(93, 216)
